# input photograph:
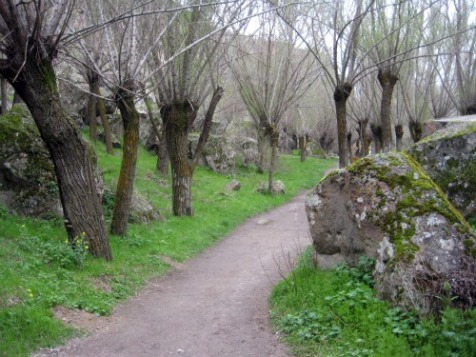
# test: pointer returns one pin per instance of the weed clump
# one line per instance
(336, 313)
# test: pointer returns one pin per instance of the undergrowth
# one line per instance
(39, 269)
(336, 313)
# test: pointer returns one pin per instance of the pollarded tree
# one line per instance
(393, 34)
(461, 26)
(272, 74)
(332, 36)
(186, 68)
(32, 34)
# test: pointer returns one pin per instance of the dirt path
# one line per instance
(214, 305)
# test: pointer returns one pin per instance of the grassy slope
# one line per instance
(38, 270)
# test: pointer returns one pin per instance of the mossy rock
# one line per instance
(387, 208)
(449, 157)
(27, 177)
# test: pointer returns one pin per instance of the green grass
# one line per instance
(335, 313)
(38, 269)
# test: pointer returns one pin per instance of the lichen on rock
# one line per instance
(449, 157)
(27, 178)
(387, 208)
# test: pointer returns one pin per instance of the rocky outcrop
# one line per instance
(449, 157)
(27, 179)
(387, 208)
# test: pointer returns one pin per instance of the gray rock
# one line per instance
(141, 210)
(218, 154)
(27, 179)
(449, 157)
(234, 186)
(277, 189)
(387, 208)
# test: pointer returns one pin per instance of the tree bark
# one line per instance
(303, 147)
(104, 121)
(387, 81)
(4, 89)
(377, 137)
(207, 125)
(91, 113)
(177, 118)
(163, 161)
(399, 136)
(81, 200)
(341, 94)
(261, 149)
(17, 98)
(416, 130)
(162, 155)
(274, 143)
(125, 184)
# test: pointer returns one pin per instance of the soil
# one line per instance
(213, 305)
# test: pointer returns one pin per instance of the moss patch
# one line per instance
(412, 194)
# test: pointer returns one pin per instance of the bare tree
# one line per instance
(186, 69)
(272, 74)
(32, 33)
(333, 38)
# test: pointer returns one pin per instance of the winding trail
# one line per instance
(213, 305)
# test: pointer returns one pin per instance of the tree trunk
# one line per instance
(125, 184)
(303, 147)
(416, 130)
(261, 149)
(163, 161)
(349, 147)
(363, 138)
(17, 98)
(377, 137)
(399, 136)
(81, 200)
(274, 143)
(4, 89)
(341, 94)
(102, 113)
(387, 81)
(177, 118)
(93, 128)
(207, 126)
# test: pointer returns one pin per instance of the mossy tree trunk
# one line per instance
(125, 185)
(341, 94)
(36, 84)
(177, 118)
(387, 81)
(102, 113)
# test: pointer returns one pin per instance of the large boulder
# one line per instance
(27, 179)
(140, 211)
(387, 208)
(217, 154)
(449, 157)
